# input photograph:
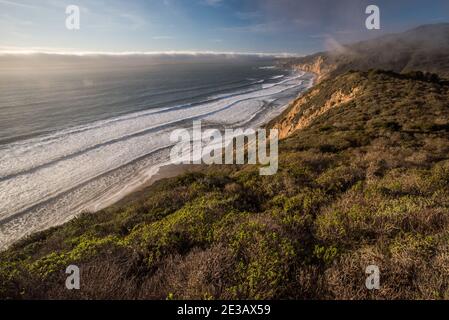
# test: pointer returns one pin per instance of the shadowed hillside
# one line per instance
(363, 179)
(425, 49)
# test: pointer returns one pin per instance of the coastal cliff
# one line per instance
(318, 101)
(317, 64)
(417, 52)
(422, 49)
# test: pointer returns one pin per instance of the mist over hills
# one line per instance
(425, 48)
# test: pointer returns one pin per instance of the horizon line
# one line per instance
(36, 51)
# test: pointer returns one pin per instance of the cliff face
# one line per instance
(310, 110)
(317, 64)
(320, 99)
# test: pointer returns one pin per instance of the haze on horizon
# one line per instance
(253, 26)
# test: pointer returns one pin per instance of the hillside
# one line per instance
(425, 49)
(363, 179)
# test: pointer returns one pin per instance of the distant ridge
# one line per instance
(425, 48)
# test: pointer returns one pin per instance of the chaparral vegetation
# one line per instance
(363, 179)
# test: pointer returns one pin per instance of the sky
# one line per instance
(250, 26)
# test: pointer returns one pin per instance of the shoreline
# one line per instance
(168, 170)
(137, 187)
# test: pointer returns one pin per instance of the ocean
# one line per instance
(77, 137)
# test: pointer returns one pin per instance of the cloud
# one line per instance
(334, 46)
(46, 51)
(251, 15)
(262, 28)
(163, 38)
(10, 20)
(17, 4)
(306, 19)
(135, 20)
(212, 3)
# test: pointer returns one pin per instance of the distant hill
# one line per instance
(425, 49)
